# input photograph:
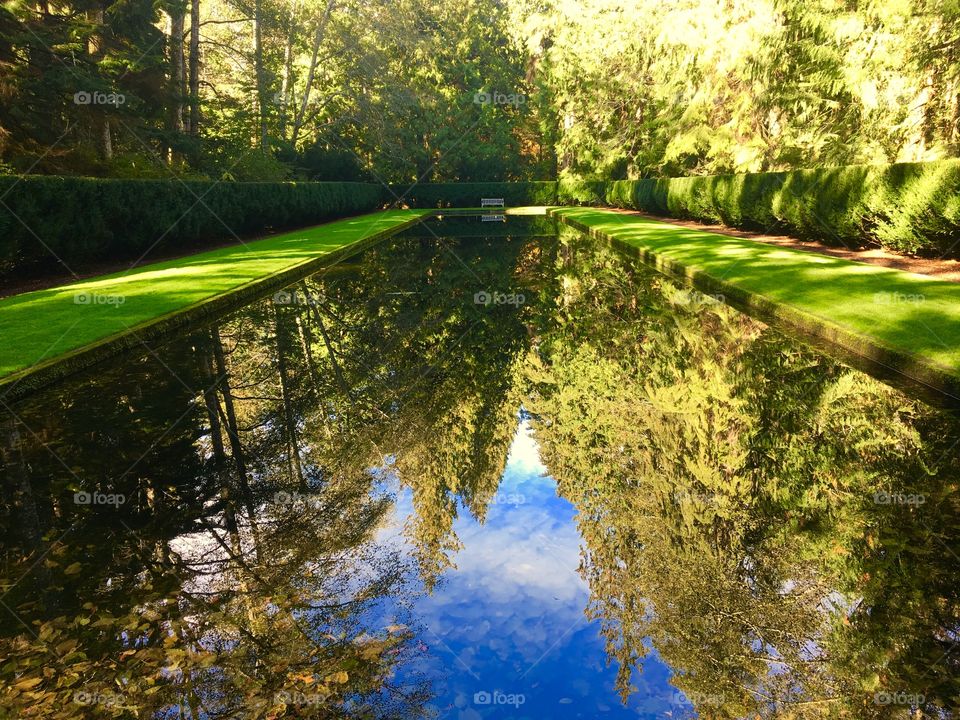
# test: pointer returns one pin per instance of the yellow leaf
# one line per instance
(338, 677)
(66, 646)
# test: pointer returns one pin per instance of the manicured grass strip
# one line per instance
(879, 313)
(39, 327)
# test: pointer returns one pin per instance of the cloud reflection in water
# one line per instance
(509, 619)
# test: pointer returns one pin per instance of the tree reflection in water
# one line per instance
(780, 528)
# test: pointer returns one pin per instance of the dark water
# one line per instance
(481, 471)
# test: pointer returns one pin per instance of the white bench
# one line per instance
(491, 202)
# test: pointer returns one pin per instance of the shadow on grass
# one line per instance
(872, 309)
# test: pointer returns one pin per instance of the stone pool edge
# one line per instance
(937, 383)
(36, 377)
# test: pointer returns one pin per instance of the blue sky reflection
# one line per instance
(504, 634)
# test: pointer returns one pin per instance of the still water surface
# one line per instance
(483, 470)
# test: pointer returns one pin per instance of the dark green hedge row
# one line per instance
(469, 194)
(577, 191)
(43, 219)
(909, 207)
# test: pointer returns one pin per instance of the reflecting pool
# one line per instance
(481, 470)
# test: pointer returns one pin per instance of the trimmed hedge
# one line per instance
(908, 207)
(43, 218)
(577, 191)
(469, 194)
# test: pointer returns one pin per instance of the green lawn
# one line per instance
(910, 314)
(907, 313)
(37, 327)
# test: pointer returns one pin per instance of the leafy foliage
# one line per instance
(268, 90)
(726, 483)
(675, 88)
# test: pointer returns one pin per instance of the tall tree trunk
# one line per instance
(106, 143)
(953, 121)
(176, 12)
(96, 47)
(306, 344)
(194, 78)
(293, 447)
(260, 73)
(337, 373)
(286, 81)
(233, 435)
(317, 42)
(233, 430)
(207, 372)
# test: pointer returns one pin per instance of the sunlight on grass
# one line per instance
(910, 313)
(42, 325)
